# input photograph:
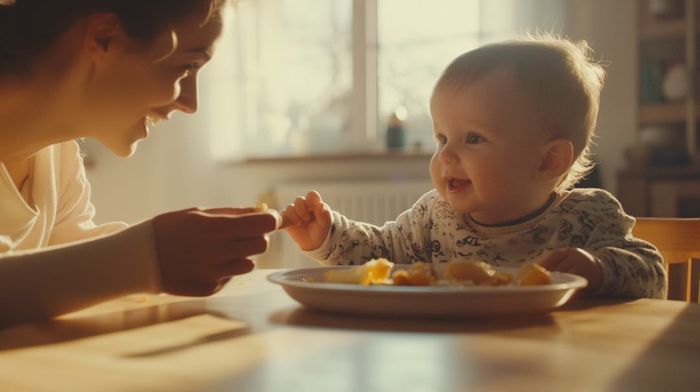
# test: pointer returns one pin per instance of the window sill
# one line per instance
(350, 156)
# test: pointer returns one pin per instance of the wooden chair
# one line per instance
(678, 240)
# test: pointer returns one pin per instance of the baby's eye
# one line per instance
(440, 139)
(473, 139)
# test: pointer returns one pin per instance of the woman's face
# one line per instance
(146, 84)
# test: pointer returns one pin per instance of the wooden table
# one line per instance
(252, 337)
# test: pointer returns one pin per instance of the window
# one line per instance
(299, 77)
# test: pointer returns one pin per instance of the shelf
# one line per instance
(662, 112)
(664, 29)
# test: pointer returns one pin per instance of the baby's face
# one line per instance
(488, 148)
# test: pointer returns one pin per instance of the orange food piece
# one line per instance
(373, 272)
(533, 274)
(501, 278)
(477, 272)
(418, 274)
(400, 278)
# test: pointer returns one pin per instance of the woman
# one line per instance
(103, 69)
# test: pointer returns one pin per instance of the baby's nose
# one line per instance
(448, 157)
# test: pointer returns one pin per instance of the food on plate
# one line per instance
(418, 274)
(478, 272)
(373, 272)
(455, 272)
(533, 274)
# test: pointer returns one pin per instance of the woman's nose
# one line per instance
(187, 100)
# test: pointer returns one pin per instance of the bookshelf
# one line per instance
(667, 40)
(662, 177)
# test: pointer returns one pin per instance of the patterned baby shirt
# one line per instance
(431, 231)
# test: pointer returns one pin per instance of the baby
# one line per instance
(513, 123)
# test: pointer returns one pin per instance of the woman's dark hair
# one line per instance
(28, 27)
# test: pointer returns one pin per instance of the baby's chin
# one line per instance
(457, 208)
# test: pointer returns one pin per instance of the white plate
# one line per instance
(431, 301)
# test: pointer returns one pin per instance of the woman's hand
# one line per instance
(576, 261)
(311, 220)
(200, 250)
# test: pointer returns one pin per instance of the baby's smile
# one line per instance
(456, 185)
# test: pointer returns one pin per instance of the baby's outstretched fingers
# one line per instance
(313, 199)
(290, 214)
(323, 215)
(301, 210)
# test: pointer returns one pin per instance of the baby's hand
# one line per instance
(311, 220)
(576, 261)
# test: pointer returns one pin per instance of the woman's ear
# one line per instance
(103, 36)
(556, 159)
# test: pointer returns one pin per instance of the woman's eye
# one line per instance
(473, 139)
(441, 139)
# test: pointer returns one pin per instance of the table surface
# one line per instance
(253, 337)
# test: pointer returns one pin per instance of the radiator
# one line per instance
(368, 201)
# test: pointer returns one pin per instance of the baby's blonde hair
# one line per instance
(559, 74)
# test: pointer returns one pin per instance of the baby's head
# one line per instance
(513, 122)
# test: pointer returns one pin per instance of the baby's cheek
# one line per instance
(435, 172)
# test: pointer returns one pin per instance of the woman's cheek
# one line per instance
(168, 91)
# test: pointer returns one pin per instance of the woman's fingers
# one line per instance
(230, 211)
(234, 267)
(244, 226)
(241, 248)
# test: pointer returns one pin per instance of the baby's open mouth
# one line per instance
(455, 185)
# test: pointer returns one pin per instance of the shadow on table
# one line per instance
(671, 362)
(305, 317)
(578, 304)
(69, 329)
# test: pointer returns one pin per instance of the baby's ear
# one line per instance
(556, 159)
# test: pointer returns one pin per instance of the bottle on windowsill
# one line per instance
(395, 132)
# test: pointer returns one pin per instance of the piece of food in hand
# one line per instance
(282, 222)
(375, 271)
(418, 274)
(533, 274)
(478, 272)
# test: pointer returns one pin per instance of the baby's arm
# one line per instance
(338, 240)
(630, 267)
(605, 252)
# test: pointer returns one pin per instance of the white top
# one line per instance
(61, 210)
(431, 231)
(53, 257)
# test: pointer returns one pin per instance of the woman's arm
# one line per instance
(190, 252)
(41, 284)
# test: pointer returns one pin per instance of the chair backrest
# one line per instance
(678, 240)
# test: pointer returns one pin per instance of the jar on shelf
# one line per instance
(675, 82)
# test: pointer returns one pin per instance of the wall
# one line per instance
(610, 28)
